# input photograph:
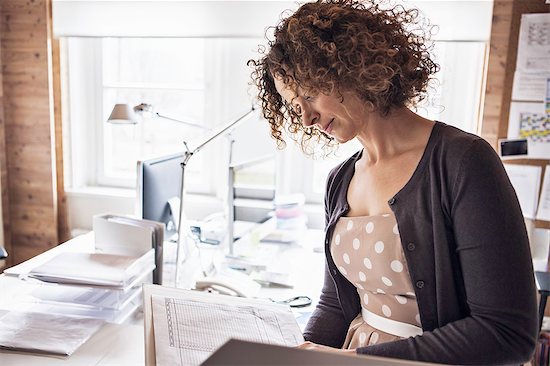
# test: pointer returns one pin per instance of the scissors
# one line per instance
(296, 301)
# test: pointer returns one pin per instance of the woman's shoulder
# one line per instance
(453, 144)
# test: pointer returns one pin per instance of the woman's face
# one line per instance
(340, 116)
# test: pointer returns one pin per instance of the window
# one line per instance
(199, 80)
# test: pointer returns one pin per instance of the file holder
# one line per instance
(128, 236)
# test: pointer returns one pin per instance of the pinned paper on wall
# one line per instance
(535, 127)
(530, 85)
(534, 43)
(543, 212)
(528, 120)
(526, 182)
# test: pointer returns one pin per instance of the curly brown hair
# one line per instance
(328, 46)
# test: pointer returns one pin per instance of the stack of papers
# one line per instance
(96, 269)
(45, 333)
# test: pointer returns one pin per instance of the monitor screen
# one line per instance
(159, 181)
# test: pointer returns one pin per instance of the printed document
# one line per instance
(192, 325)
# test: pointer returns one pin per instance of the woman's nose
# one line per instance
(309, 116)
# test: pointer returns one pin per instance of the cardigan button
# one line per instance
(391, 201)
(420, 284)
(411, 247)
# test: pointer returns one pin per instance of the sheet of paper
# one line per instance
(45, 333)
(534, 43)
(528, 120)
(526, 182)
(188, 329)
(543, 213)
(529, 86)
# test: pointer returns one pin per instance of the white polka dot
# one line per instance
(367, 263)
(386, 310)
(417, 318)
(362, 276)
(380, 291)
(356, 243)
(346, 259)
(386, 281)
(401, 299)
(337, 239)
(350, 225)
(412, 294)
(395, 229)
(379, 247)
(396, 266)
(343, 270)
(366, 299)
(362, 338)
(359, 286)
(369, 228)
(374, 338)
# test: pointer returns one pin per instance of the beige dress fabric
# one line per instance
(367, 251)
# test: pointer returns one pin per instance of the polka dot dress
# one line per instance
(367, 251)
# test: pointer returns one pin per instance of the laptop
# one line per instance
(237, 352)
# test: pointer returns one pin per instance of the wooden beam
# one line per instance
(28, 127)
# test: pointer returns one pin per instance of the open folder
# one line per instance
(184, 327)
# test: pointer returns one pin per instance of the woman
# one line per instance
(427, 256)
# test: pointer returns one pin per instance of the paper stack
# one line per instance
(289, 210)
(96, 285)
(45, 333)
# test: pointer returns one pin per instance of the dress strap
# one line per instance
(400, 329)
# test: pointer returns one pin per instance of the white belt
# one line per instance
(400, 329)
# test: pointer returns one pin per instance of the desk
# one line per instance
(124, 344)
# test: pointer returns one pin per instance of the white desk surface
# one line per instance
(124, 344)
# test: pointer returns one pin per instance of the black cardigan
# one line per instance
(467, 250)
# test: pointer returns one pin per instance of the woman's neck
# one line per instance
(387, 137)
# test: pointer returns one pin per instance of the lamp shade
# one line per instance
(122, 114)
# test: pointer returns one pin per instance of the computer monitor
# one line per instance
(159, 183)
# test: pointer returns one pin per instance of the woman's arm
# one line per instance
(494, 256)
(327, 324)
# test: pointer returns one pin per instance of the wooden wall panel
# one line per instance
(28, 127)
(4, 200)
(502, 64)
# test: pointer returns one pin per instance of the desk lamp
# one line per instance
(123, 114)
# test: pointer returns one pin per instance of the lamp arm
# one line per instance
(182, 122)
(182, 231)
(224, 129)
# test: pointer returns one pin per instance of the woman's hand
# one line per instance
(319, 347)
